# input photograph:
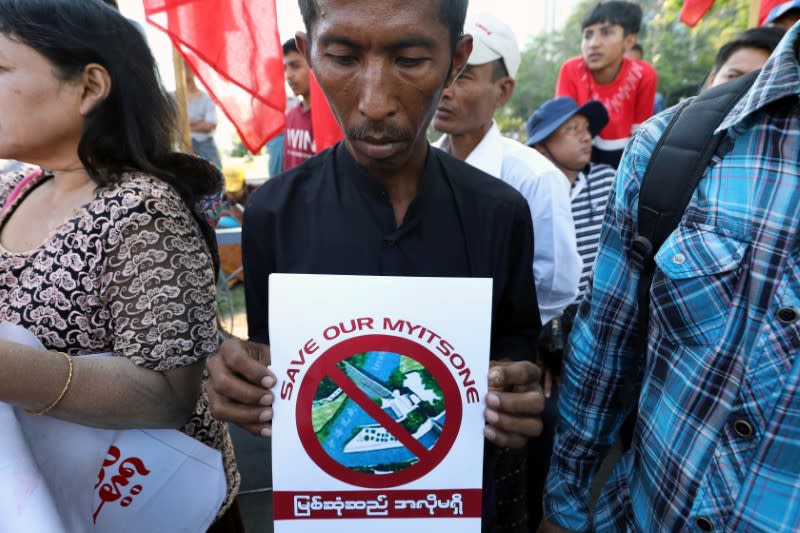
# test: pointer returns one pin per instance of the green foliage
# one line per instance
(682, 56)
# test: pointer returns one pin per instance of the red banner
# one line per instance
(234, 48)
(394, 504)
(327, 131)
(694, 10)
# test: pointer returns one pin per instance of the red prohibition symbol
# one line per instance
(326, 365)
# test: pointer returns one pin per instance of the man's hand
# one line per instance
(514, 403)
(239, 385)
(547, 526)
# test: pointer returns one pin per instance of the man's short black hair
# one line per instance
(626, 14)
(112, 3)
(289, 47)
(766, 39)
(638, 48)
(451, 12)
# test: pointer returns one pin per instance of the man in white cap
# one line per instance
(465, 114)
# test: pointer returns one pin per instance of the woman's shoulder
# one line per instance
(138, 192)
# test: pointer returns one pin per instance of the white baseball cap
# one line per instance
(492, 40)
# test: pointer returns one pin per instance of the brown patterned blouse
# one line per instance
(130, 274)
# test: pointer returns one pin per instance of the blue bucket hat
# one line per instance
(553, 113)
(780, 10)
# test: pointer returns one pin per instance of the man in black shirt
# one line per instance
(383, 202)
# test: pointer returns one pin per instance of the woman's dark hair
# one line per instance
(766, 39)
(132, 129)
(451, 12)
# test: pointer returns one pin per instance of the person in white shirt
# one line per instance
(465, 114)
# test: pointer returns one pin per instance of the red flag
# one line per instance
(693, 10)
(234, 48)
(327, 131)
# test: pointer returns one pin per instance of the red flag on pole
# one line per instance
(327, 131)
(693, 10)
(234, 48)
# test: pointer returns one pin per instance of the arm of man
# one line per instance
(515, 400)
(601, 355)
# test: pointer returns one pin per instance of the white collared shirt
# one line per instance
(556, 263)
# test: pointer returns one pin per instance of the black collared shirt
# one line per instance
(328, 216)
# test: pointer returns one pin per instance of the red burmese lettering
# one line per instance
(286, 391)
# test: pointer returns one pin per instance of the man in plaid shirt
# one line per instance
(717, 440)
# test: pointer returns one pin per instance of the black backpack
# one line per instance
(677, 164)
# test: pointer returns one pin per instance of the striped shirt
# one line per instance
(716, 445)
(589, 196)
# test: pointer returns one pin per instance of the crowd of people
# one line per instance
(681, 352)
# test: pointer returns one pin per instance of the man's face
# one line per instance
(571, 143)
(741, 62)
(470, 102)
(383, 75)
(603, 44)
(787, 20)
(296, 70)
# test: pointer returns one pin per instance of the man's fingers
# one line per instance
(517, 403)
(247, 359)
(514, 374)
(526, 426)
(251, 417)
(232, 387)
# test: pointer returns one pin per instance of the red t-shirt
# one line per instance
(629, 99)
(298, 144)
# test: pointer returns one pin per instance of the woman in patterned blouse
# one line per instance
(106, 249)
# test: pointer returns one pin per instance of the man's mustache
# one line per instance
(385, 131)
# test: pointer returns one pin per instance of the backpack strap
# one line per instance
(676, 166)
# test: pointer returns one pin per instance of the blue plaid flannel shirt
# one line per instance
(717, 439)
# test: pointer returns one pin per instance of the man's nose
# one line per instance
(377, 100)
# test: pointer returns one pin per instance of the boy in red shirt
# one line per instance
(626, 88)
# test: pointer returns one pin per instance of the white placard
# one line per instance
(378, 417)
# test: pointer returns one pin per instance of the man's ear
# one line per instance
(505, 88)
(630, 40)
(303, 46)
(96, 87)
(460, 57)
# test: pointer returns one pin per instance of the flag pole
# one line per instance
(755, 11)
(184, 133)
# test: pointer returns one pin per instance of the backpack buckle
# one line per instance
(641, 251)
